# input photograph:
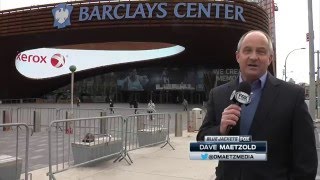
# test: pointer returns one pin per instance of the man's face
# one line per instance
(254, 56)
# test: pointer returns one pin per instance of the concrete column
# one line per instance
(178, 125)
(103, 123)
(36, 121)
(6, 118)
(140, 123)
(191, 121)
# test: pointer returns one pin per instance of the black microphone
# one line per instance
(241, 96)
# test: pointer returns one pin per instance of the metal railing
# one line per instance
(78, 113)
(144, 130)
(8, 127)
(75, 142)
(35, 116)
(128, 111)
(114, 136)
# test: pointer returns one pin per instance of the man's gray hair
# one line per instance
(267, 36)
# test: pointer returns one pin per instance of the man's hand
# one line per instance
(230, 117)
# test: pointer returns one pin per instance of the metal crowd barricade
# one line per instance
(37, 118)
(128, 111)
(79, 113)
(75, 142)
(6, 169)
(144, 130)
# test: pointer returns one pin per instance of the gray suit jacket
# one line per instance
(282, 119)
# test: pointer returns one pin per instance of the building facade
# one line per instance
(208, 31)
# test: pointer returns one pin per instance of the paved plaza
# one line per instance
(148, 163)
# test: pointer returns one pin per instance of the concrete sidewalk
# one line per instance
(148, 163)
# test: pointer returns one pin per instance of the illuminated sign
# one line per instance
(48, 62)
(149, 11)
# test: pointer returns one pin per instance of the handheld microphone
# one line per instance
(241, 96)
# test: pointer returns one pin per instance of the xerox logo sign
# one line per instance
(42, 63)
(52, 62)
(31, 58)
(57, 60)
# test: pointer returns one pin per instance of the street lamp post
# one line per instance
(72, 68)
(318, 84)
(312, 86)
(285, 63)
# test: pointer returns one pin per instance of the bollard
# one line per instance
(198, 118)
(6, 118)
(36, 121)
(178, 125)
(188, 115)
(140, 123)
(103, 123)
(69, 115)
(191, 122)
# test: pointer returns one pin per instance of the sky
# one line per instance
(291, 28)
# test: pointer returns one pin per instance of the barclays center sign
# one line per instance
(182, 10)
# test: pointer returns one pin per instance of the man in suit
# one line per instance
(277, 114)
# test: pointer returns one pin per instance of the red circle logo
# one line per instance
(57, 60)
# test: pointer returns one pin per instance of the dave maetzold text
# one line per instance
(159, 11)
(231, 147)
(224, 146)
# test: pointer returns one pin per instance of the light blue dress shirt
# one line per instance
(248, 112)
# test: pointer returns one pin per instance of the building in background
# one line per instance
(209, 41)
(270, 7)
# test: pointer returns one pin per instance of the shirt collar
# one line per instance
(258, 83)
